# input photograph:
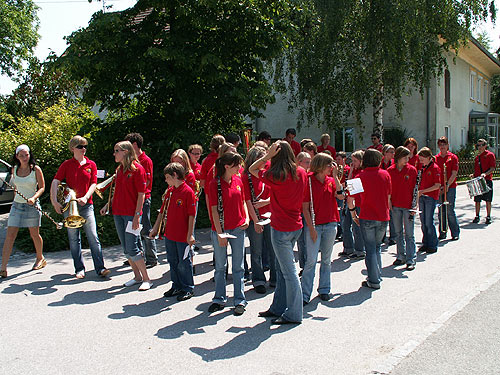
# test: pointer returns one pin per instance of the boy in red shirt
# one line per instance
(484, 166)
(290, 135)
(178, 211)
(374, 213)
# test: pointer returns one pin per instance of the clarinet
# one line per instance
(220, 206)
(252, 193)
(415, 192)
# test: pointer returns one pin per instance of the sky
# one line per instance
(59, 18)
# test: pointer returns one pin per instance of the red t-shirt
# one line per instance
(324, 200)
(233, 199)
(286, 200)
(451, 165)
(403, 182)
(128, 185)
(415, 161)
(385, 165)
(196, 167)
(182, 205)
(78, 177)
(488, 161)
(374, 199)
(430, 175)
(295, 147)
(329, 148)
(378, 147)
(190, 179)
(147, 164)
(261, 190)
(206, 164)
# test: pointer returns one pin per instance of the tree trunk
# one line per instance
(378, 111)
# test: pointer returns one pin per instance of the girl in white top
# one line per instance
(28, 179)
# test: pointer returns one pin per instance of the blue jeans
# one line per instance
(428, 205)
(129, 241)
(259, 241)
(287, 300)
(301, 246)
(373, 234)
(181, 270)
(237, 251)
(352, 243)
(75, 245)
(405, 244)
(326, 240)
(150, 253)
(340, 225)
(392, 231)
(451, 196)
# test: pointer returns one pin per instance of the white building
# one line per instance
(455, 103)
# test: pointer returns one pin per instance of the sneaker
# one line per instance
(260, 289)
(410, 267)
(344, 254)
(215, 307)
(488, 220)
(104, 272)
(239, 310)
(431, 250)
(455, 238)
(397, 262)
(132, 282)
(357, 256)
(184, 296)
(368, 284)
(476, 220)
(146, 285)
(422, 249)
(172, 292)
(442, 236)
(80, 274)
(151, 264)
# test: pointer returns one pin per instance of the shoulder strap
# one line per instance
(220, 205)
(480, 166)
(313, 216)
(252, 193)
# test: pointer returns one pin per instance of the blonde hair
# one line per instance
(358, 155)
(130, 155)
(320, 162)
(224, 148)
(76, 141)
(302, 155)
(195, 147)
(181, 154)
(323, 137)
(387, 147)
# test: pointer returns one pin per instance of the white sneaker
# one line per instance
(146, 285)
(131, 282)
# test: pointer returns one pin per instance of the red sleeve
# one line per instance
(436, 175)
(246, 186)
(491, 160)
(191, 203)
(61, 172)
(307, 194)
(93, 174)
(212, 193)
(243, 195)
(191, 180)
(140, 179)
(204, 168)
(389, 183)
(454, 164)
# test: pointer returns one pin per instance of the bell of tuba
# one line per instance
(66, 197)
(103, 186)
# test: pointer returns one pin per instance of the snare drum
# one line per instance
(477, 186)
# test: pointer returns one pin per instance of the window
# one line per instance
(344, 139)
(447, 102)
(479, 90)
(473, 84)
(463, 136)
(447, 132)
(486, 94)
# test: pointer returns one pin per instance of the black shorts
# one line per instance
(487, 197)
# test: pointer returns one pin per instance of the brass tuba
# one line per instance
(66, 197)
(105, 185)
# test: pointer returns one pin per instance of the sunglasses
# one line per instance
(481, 144)
(116, 151)
(82, 147)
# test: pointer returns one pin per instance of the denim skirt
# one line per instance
(22, 215)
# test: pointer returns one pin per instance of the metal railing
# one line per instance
(466, 168)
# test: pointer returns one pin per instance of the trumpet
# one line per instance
(66, 197)
(58, 225)
(105, 185)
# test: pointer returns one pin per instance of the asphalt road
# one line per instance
(52, 323)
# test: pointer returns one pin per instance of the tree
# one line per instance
(495, 90)
(354, 53)
(18, 34)
(41, 86)
(185, 69)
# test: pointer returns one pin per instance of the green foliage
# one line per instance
(180, 70)
(47, 135)
(18, 34)
(42, 86)
(353, 54)
(396, 136)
